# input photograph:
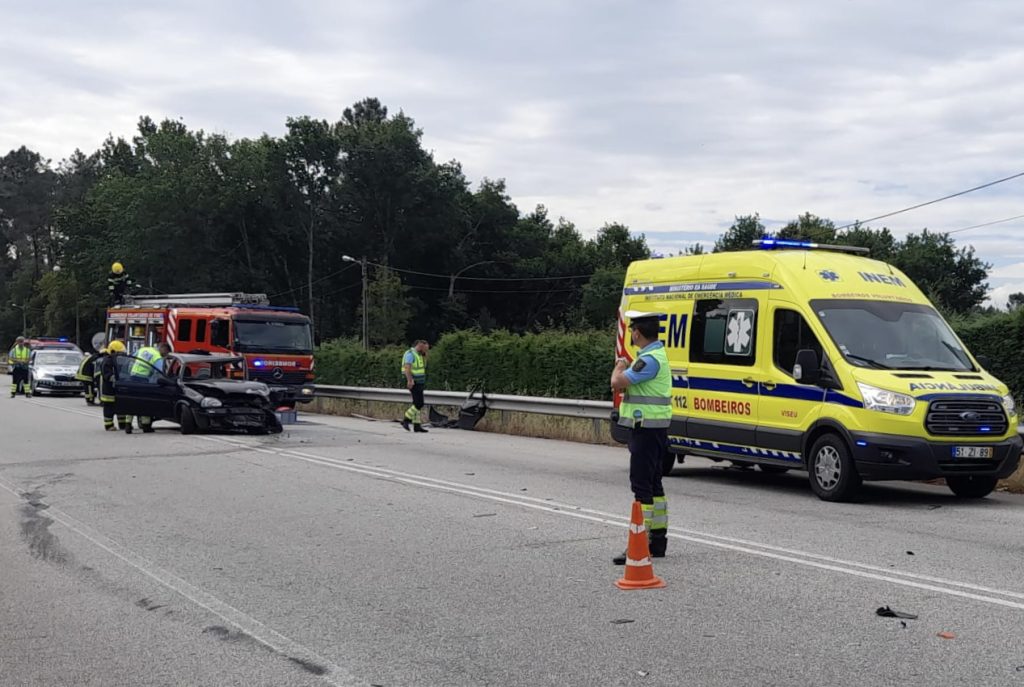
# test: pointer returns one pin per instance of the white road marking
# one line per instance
(925, 582)
(277, 642)
(940, 585)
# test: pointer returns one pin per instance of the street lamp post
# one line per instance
(24, 320)
(451, 282)
(366, 329)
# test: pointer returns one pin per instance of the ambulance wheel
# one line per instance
(187, 421)
(668, 461)
(971, 486)
(772, 469)
(831, 470)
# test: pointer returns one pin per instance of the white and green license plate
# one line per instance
(972, 452)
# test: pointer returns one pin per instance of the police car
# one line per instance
(813, 357)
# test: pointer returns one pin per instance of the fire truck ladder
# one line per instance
(173, 300)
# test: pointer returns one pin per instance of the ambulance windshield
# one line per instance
(258, 335)
(892, 336)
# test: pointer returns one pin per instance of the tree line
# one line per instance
(294, 216)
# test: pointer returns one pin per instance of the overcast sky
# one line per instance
(671, 117)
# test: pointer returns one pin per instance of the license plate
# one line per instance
(972, 451)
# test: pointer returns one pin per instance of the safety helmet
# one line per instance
(117, 268)
(115, 347)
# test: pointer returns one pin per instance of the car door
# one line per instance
(723, 376)
(148, 392)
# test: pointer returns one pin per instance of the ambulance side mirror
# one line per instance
(807, 369)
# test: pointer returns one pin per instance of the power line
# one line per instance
(449, 276)
(315, 281)
(932, 202)
(985, 224)
(509, 291)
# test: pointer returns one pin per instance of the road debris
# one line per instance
(946, 635)
(934, 507)
(643, 673)
(622, 621)
(484, 515)
(910, 553)
(887, 612)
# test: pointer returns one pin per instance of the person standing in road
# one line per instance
(107, 379)
(149, 362)
(646, 409)
(87, 375)
(414, 367)
(18, 359)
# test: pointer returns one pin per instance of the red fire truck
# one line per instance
(276, 341)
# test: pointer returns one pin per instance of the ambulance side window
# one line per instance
(724, 332)
(200, 330)
(791, 334)
(184, 329)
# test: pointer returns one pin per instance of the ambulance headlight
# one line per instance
(1009, 405)
(886, 401)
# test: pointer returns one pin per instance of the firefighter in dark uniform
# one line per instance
(107, 391)
(646, 409)
(18, 360)
(118, 284)
(87, 375)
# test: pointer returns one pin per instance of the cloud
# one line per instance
(669, 117)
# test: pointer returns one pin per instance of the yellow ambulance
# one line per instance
(812, 357)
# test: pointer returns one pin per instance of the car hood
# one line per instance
(55, 369)
(921, 383)
(225, 387)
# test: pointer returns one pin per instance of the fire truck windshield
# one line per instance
(257, 335)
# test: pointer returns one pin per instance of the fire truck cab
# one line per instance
(276, 341)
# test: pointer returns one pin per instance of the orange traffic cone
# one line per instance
(639, 573)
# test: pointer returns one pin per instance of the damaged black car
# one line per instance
(200, 393)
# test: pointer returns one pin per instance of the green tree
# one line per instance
(387, 308)
(1015, 302)
(601, 297)
(742, 234)
(953, 277)
(808, 227)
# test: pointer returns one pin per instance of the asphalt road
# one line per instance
(350, 552)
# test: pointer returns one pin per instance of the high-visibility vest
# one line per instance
(149, 355)
(85, 370)
(419, 366)
(649, 404)
(20, 355)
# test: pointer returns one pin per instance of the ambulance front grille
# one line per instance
(964, 417)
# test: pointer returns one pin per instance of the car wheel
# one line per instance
(668, 461)
(831, 470)
(772, 469)
(971, 486)
(187, 420)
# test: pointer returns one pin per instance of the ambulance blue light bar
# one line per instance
(772, 244)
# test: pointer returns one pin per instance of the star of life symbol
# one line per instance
(738, 337)
(828, 275)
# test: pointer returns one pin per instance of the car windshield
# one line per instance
(894, 336)
(61, 358)
(195, 371)
(273, 336)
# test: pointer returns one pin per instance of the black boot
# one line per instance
(620, 559)
(405, 424)
(658, 542)
(418, 428)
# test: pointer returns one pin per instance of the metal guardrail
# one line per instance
(599, 410)
(541, 405)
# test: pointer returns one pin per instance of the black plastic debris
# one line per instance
(887, 612)
(934, 507)
(484, 515)
(622, 621)
(903, 624)
(910, 553)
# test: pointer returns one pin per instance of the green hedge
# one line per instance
(567, 365)
(999, 336)
(577, 365)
